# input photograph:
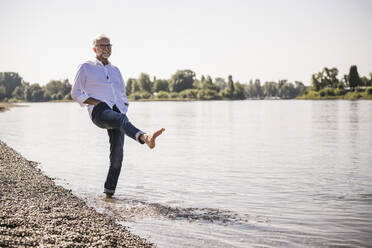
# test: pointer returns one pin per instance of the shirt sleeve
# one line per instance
(77, 91)
(123, 92)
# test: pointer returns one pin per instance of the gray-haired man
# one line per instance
(100, 86)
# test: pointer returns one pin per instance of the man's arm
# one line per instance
(77, 91)
(92, 101)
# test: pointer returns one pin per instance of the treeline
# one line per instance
(327, 84)
(14, 89)
(183, 85)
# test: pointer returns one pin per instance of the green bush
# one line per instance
(340, 86)
(47, 96)
(162, 95)
(2, 92)
(145, 95)
(207, 95)
(136, 96)
(330, 92)
(173, 95)
(188, 94)
(369, 90)
(13, 100)
(340, 92)
(141, 95)
(352, 95)
(54, 97)
(327, 92)
(59, 96)
(67, 97)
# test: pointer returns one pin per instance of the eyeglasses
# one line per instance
(104, 45)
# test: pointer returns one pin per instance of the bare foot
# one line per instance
(108, 198)
(149, 139)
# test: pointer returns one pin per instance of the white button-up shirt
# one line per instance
(102, 82)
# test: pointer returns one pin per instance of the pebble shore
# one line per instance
(4, 106)
(35, 212)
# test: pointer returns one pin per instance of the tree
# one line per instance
(47, 96)
(68, 97)
(287, 91)
(254, 89)
(129, 86)
(239, 91)
(343, 82)
(161, 85)
(207, 84)
(181, 80)
(329, 77)
(55, 87)
(18, 93)
(144, 82)
(136, 87)
(229, 90)
(230, 85)
(34, 93)
(220, 83)
(270, 89)
(364, 81)
(353, 78)
(10, 81)
(300, 88)
(2, 92)
(66, 87)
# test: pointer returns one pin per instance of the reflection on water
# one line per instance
(224, 174)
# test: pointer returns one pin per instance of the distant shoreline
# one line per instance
(348, 96)
(4, 106)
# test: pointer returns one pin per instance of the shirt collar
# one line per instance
(100, 63)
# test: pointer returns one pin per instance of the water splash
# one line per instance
(131, 209)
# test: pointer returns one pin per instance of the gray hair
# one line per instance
(100, 37)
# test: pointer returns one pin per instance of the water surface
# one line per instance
(224, 174)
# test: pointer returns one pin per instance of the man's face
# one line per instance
(103, 48)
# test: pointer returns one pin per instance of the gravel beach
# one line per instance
(6, 106)
(36, 212)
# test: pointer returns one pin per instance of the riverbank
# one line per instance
(316, 95)
(36, 212)
(4, 106)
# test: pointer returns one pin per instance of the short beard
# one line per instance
(105, 55)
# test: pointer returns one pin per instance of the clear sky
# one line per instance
(265, 39)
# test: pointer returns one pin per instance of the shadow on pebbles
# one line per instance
(36, 212)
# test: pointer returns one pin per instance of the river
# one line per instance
(224, 173)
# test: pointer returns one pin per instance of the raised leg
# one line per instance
(105, 117)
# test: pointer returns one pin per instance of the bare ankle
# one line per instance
(143, 138)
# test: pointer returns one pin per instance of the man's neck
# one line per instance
(103, 60)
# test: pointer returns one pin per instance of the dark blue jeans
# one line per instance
(117, 124)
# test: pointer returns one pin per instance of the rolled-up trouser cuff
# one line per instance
(138, 134)
(109, 191)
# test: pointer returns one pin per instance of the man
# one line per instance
(99, 86)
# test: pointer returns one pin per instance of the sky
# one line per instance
(270, 40)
